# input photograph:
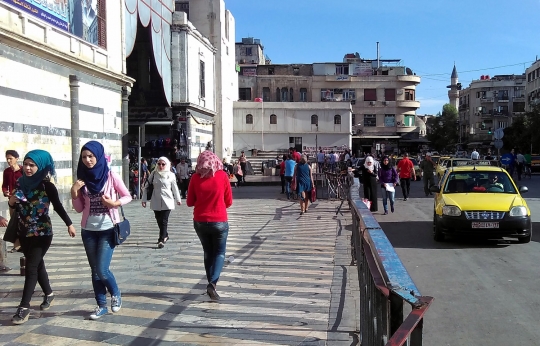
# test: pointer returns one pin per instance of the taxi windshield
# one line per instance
(478, 182)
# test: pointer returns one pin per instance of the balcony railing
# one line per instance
(486, 99)
(503, 99)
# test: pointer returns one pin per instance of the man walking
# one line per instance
(427, 167)
(243, 163)
(320, 161)
(182, 173)
(405, 170)
(475, 155)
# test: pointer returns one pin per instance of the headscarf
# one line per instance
(208, 164)
(369, 159)
(45, 165)
(94, 178)
(166, 170)
(387, 166)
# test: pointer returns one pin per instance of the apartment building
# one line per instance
(487, 104)
(532, 88)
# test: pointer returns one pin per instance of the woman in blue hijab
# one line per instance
(95, 195)
(32, 198)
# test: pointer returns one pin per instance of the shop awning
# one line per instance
(379, 137)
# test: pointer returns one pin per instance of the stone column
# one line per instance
(126, 91)
(75, 135)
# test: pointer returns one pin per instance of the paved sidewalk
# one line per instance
(291, 282)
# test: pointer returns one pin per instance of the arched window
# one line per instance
(273, 119)
(314, 119)
(278, 95)
(337, 119)
(291, 94)
(249, 119)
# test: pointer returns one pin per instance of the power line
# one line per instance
(481, 69)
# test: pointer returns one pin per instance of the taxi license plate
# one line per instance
(485, 225)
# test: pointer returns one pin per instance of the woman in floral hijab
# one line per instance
(210, 194)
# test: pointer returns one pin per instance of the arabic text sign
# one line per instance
(52, 12)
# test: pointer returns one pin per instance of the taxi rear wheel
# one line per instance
(438, 235)
(526, 239)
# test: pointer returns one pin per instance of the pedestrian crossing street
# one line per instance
(276, 291)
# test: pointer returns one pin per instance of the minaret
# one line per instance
(453, 93)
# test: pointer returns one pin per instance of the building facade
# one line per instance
(487, 104)
(250, 51)
(271, 126)
(63, 82)
(532, 88)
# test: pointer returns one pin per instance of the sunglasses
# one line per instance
(161, 164)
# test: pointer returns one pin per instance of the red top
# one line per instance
(10, 179)
(405, 168)
(282, 168)
(297, 156)
(210, 196)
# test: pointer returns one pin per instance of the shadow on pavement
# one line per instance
(419, 235)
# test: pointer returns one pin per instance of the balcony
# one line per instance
(486, 99)
(408, 78)
(408, 104)
(520, 98)
(503, 99)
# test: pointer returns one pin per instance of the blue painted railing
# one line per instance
(385, 284)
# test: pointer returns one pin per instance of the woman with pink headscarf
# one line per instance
(210, 194)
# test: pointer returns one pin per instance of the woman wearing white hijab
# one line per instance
(369, 181)
(164, 194)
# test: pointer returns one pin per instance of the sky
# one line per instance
(429, 36)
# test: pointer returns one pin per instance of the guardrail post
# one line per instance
(396, 313)
(416, 335)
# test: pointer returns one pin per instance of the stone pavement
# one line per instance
(291, 282)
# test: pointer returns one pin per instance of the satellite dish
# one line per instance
(409, 71)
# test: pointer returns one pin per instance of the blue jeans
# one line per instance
(388, 195)
(288, 181)
(99, 246)
(213, 237)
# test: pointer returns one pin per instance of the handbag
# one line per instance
(12, 231)
(313, 194)
(122, 230)
(149, 190)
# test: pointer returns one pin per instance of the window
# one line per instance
(284, 94)
(409, 94)
(244, 94)
(518, 107)
(337, 119)
(503, 94)
(370, 94)
(409, 120)
(271, 70)
(327, 95)
(266, 94)
(296, 71)
(273, 119)
(278, 95)
(182, 6)
(303, 94)
(342, 69)
(249, 119)
(389, 94)
(349, 94)
(291, 94)
(249, 51)
(227, 20)
(101, 24)
(370, 120)
(389, 120)
(353, 119)
(314, 119)
(201, 80)
(503, 124)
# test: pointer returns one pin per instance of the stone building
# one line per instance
(63, 82)
(532, 88)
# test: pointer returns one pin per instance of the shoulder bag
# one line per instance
(12, 231)
(122, 230)
(149, 188)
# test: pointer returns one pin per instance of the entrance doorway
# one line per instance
(296, 143)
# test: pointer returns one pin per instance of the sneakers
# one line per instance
(392, 208)
(405, 198)
(47, 302)
(211, 290)
(116, 303)
(21, 315)
(386, 212)
(160, 245)
(98, 312)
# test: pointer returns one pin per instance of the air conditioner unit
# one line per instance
(399, 91)
(372, 103)
(353, 102)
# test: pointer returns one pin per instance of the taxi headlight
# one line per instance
(451, 210)
(518, 211)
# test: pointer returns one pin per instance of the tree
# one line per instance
(444, 128)
(524, 134)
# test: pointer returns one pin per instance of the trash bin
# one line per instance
(253, 152)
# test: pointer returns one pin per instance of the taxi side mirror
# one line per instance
(523, 189)
(435, 189)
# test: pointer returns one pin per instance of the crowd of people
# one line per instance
(98, 193)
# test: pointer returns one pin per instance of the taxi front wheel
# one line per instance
(438, 235)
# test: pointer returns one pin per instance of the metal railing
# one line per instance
(385, 284)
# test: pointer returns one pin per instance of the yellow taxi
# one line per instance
(480, 200)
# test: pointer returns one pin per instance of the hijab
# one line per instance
(369, 159)
(94, 178)
(208, 164)
(387, 166)
(166, 170)
(45, 165)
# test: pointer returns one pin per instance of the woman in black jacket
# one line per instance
(369, 181)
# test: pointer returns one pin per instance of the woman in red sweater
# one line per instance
(210, 193)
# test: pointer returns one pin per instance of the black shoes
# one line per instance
(211, 290)
(47, 302)
(20, 316)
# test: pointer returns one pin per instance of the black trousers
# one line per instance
(162, 218)
(243, 167)
(34, 249)
(282, 183)
(184, 184)
(405, 186)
